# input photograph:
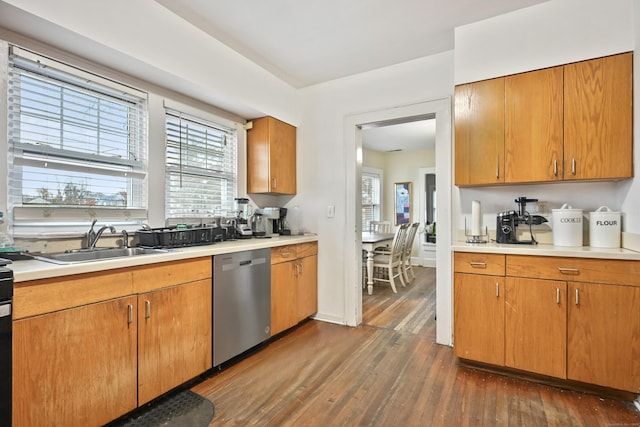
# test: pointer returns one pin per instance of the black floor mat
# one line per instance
(183, 408)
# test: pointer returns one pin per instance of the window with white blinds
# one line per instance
(371, 183)
(77, 142)
(200, 167)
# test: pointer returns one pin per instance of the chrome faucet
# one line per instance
(93, 236)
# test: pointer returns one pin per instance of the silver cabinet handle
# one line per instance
(557, 295)
(577, 297)
(147, 305)
(497, 289)
(274, 183)
(497, 166)
(130, 308)
(555, 168)
(478, 264)
(285, 254)
(565, 270)
(573, 165)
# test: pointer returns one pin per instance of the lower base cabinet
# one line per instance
(75, 367)
(575, 319)
(535, 326)
(174, 337)
(294, 285)
(604, 335)
(90, 364)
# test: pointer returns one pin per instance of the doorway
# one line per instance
(441, 109)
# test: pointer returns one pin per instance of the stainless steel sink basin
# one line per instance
(97, 254)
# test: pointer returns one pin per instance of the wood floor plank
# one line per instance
(389, 372)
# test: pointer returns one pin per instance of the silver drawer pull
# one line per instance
(557, 295)
(147, 304)
(497, 289)
(568, 270)
(285, 254)
(577, 297)
(478, 264)
(555, 168)
(130, 309)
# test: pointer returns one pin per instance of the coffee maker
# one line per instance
(275, 220)
(508, 221)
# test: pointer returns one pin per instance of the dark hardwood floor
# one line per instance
(389, 372)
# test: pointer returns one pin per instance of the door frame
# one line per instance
(353, 222)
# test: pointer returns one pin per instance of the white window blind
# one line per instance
(201, 166)
(370, 198)
(77, 142)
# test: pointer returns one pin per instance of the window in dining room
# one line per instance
(371, 200)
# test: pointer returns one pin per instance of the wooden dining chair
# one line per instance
(406, 252)
(380, 226)
(387, 266)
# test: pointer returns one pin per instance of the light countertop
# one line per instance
(35, 269)
(547, 250)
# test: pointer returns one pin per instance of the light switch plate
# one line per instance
(331, 211)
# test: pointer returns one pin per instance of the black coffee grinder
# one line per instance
(508, 221)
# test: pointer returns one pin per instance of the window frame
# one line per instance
(376, 173)
(26, 219)
(203, 118)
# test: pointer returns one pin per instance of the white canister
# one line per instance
(567, 226)
(604, 228)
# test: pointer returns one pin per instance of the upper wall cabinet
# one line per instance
(533, 126)
(572, 122)
(271, 157)
(479, 132)
(598, 118)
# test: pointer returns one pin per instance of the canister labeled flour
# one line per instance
(567, 226)
(604, 228)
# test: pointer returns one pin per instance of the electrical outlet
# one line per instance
(543, 208)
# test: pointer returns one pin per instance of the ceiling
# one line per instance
(310, 42)
(306, 43)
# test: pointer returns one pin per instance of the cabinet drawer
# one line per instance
(610, 271)
(158, 276)
(478, 263)
(59, 293)
(284, 253)
(307, 249)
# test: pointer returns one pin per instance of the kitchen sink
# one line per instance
(97, 254)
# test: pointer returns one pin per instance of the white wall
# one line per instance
(326, 109)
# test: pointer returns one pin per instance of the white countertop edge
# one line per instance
(547, 250)
(34, 269)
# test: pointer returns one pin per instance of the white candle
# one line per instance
(475, 218)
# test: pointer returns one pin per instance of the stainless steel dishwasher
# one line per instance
(241, 302)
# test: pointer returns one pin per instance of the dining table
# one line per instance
(370, 241)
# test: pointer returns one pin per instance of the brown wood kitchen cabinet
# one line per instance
(478, 310)
(536, 326)
(479, 132)
(573, 319)
(570, 122)
(602, 316)
(88, 348)
(533, 126)
(271, 157)
(174, 324)
(294, 284)
(74, 366)
(598, 118)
